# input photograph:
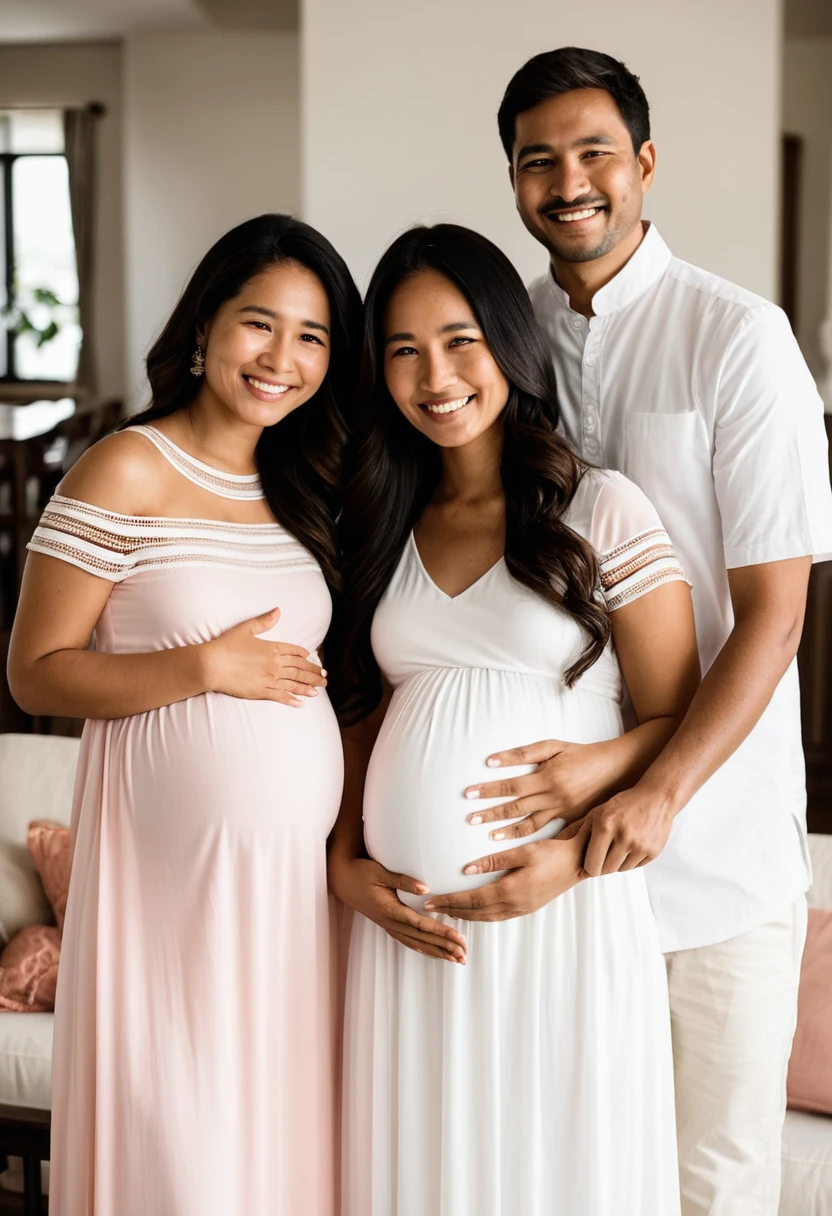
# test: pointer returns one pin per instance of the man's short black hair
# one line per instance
(568, 68)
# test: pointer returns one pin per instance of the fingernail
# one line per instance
(473, 793)
(429, 907)
(324, 671)
(497, 835)
(421, 889)
(492, 762)
(470, 870)
(475, 818)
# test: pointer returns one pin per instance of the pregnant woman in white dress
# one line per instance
(486, 572)
(195, 1038)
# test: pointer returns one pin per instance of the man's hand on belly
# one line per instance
(568, 780)
(626, 832)
(538, 873)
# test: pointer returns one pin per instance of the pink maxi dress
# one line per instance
(194, 1028)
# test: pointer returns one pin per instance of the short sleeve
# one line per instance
(770, 462)
(96, 541)
(634, 550)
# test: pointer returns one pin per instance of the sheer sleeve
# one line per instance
(97, 541)
(635, 551)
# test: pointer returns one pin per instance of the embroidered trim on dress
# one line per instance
(227, 485)
(637, 566)
(610, 577)
(672, 574)
(117, 546)
(639, 539)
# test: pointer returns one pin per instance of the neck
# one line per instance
(217, 437)
(581, 280)
(471, 474)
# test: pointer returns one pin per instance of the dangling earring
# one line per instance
(198, 365)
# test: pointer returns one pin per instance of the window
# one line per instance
(40, 335)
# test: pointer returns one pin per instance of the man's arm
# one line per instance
(769, 603)
(656, 640)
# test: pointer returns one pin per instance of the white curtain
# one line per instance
(79, 140)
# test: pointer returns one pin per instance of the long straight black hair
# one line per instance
(300, 459)
(393, 469)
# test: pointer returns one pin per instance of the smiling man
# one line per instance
(696, 390)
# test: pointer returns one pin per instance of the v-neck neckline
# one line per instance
(450, 598)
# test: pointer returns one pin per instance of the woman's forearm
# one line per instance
(347, 837)
(88, 684)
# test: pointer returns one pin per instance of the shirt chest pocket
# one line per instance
(669, 457)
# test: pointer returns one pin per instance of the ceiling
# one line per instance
(56, 20)
(60, 20)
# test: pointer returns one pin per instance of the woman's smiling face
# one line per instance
(438, 367)
(267, 349)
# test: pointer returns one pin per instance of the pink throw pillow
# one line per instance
(29, 970)
(49, 848)
(809, 1084)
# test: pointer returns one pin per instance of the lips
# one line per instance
(268, 388)
(450, 406)
(575, 215)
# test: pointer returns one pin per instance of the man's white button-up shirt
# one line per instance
(696, 390)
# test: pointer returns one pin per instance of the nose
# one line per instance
(437, 373)
(278, 355)
(570, 180)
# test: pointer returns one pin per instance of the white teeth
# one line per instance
(274, 390)
(448, 407)
(567, 217)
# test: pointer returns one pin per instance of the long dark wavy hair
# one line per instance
(300, 459)
(394, 469)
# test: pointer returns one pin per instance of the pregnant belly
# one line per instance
(439, 729)
(251, 770)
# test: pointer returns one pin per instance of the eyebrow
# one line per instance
(452, 327)
(584, 142)
(268, 312)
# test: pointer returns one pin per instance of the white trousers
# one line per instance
(733, 1010)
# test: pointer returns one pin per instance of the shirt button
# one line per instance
(578, 322)
(591, 360)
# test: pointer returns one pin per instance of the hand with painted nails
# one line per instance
(537, 874)
(370, 889)
(240, 663)
(568, 780)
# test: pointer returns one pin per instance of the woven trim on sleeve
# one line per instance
(637, 566)
(115, 546)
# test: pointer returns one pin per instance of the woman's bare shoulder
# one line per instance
(123, 472)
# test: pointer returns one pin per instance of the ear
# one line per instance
(511, 174)
(647, 164)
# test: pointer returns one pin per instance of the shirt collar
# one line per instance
(645, 267)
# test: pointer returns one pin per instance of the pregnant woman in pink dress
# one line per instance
(487, 572)
(177, 596)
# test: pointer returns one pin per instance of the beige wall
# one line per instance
(211, 139)
(73, 74)
(807, 112)
(398, 119)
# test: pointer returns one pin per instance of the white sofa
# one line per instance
(36, 778)
(37, 773)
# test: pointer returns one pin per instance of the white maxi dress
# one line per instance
(538, 1079)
